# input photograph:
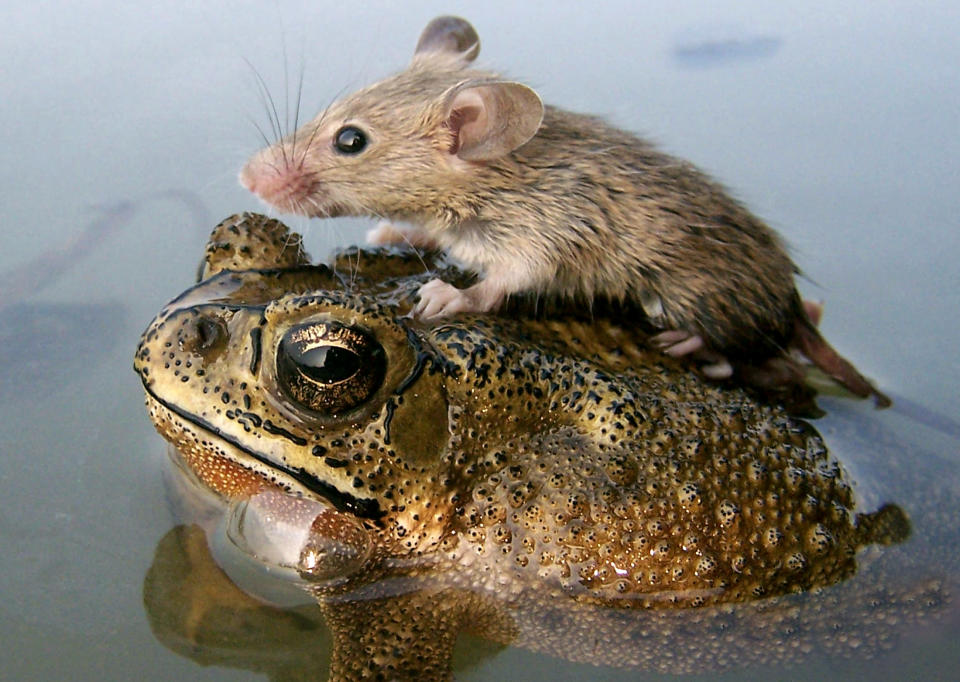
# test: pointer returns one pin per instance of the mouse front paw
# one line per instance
(385, 233)
(439, 299)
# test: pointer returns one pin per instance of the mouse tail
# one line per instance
(808, 340)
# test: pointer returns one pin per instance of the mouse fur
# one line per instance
(539, 200)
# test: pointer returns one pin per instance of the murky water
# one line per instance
(838, 124)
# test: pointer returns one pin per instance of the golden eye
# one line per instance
(329, 368)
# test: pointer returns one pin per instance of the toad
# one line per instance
(532, 458)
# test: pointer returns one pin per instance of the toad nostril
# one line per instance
(202, 335)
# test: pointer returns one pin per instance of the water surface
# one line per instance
(844, 138)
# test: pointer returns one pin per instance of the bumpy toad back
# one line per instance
(549, 455)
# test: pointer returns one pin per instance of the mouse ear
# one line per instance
(449, 36)
(490, 119)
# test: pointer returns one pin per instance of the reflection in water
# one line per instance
(571, 495)
(196, 611)
(407, 630)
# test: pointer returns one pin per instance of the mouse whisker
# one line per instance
(317, 125)
(286, 85)
(270, 105)
(260, 130)
(306, 147)
(296, 115)
(291, 242)
(264, 94)
(315, 208)
(427, 270)
(355, 269)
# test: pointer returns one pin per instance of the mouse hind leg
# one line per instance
(679, 343)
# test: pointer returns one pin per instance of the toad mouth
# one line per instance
(341, 501)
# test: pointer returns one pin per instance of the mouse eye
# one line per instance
(350, 140)
(329, 368)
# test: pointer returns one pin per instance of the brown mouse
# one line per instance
(539, 200)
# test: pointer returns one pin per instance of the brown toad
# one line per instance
(530, 459)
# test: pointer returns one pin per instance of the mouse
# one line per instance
(538, 200)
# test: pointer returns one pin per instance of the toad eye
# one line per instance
(329, 368)
(350, 140)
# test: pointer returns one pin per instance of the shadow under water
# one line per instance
(544, 483)
(42, 343)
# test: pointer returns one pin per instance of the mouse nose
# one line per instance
(274, 178)
(267, 172)
(248, 177)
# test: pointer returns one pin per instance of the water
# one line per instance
(843, 137)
